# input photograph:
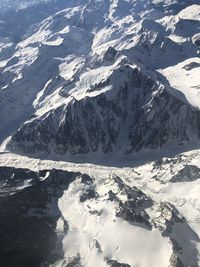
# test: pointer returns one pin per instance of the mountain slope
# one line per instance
(135, 113)
(99, 102)
(86, 215)
(94, 78)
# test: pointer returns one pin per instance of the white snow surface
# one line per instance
(95, 237)
(66, 53)
(185, 77)
(191, 13)
(118, 239)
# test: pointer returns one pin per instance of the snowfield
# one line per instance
(96, 237)
(185, 78)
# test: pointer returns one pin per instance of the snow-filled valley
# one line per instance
(100, 133)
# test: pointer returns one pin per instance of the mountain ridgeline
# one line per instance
(91, 78)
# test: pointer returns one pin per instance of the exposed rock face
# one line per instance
(175, 261)
(58, 209)
(131, 213)
(36, 213)
(94, 80)
(187, 174)
(133, 209)
(140, 114)
(168, 216)
(29, 216)
(87, 86)
(168, 220)
(196, 40)
(12, 179)
(74, 263)
(113, 263)
(88, 194)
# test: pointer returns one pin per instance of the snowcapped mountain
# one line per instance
(114, 83)
(98, 77)
(92, 215)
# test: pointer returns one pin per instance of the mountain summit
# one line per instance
(101, 77)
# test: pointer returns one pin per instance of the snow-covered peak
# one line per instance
(98, 50)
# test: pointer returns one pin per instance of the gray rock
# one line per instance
(132, 210)
(189, 173)
(27, 223)
(113, 263)
(145, 114)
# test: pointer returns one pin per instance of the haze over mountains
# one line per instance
(110, 82)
